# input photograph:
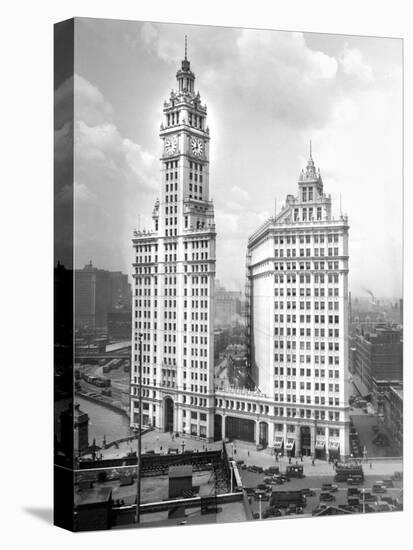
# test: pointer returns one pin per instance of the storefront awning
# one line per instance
(320, 444)
(289, 445)
(333, 445)
(279, 442)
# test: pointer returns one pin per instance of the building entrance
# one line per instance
(305, 436)
(240, 428)
(263, 439)
(168, 414)
(217, 427)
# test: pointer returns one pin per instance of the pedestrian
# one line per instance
(312, 462)
(235, 452)
(248, 453)
(371, 465)
(289, 460)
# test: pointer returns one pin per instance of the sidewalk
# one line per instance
(241, 450)
(160, 442)
(265, 458)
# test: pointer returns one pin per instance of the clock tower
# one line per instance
(174, 276)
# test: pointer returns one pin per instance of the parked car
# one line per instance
(379, 488)
(389, 500)
(353, 500)
(284, 477)
(308, 492)
(272, 512)
(367, 496)
(263, 494)
(388, 483)
(384, 507)
(329, 487)
(293, 509)
(326, 496)
(355, 480)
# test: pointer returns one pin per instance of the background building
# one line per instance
(227, 306)
(377, 356)
(97, 292)
(298, 316)
(120, 324)
(174, 274)
(393, 412)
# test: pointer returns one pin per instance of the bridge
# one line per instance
(84, 355)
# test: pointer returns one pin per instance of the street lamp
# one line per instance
(231, 473)
(260, 506)
(138, 473)
(183, 446)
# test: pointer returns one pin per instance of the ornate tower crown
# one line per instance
(185, 76)
(311, 174)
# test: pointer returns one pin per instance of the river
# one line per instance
(103, 422)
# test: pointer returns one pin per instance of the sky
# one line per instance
(268, 94)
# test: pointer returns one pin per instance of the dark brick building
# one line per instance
(377, 355)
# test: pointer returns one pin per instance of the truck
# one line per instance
(344, 471)
(282, 499)
(295, 471)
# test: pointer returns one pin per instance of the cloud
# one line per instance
(113, 177)
(164, 44)
(352, 64)
(268, 93)
(240, 193)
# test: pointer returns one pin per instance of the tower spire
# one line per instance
(311, 151)
(186, 47)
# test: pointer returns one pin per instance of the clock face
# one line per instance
(197, 146)
(170, 145)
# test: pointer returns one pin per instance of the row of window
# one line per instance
(318, 292)
(195, 244)
(146, 248)
(292, 331)
(332, 416)
(306, 359)
(196, 268)
(302, 252)
(332, 346)
(195, 190)
(292, 428)
(293, 385)
(171, 198)
(279, 371)
(317, 266)
(318, 319)
(317, 278)
(307, 214)
(170, 176)
(307, 238)
(307, 194)
(332, 306)
(171, 210)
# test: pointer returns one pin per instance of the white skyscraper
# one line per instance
(174, 275)
(297, 266)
